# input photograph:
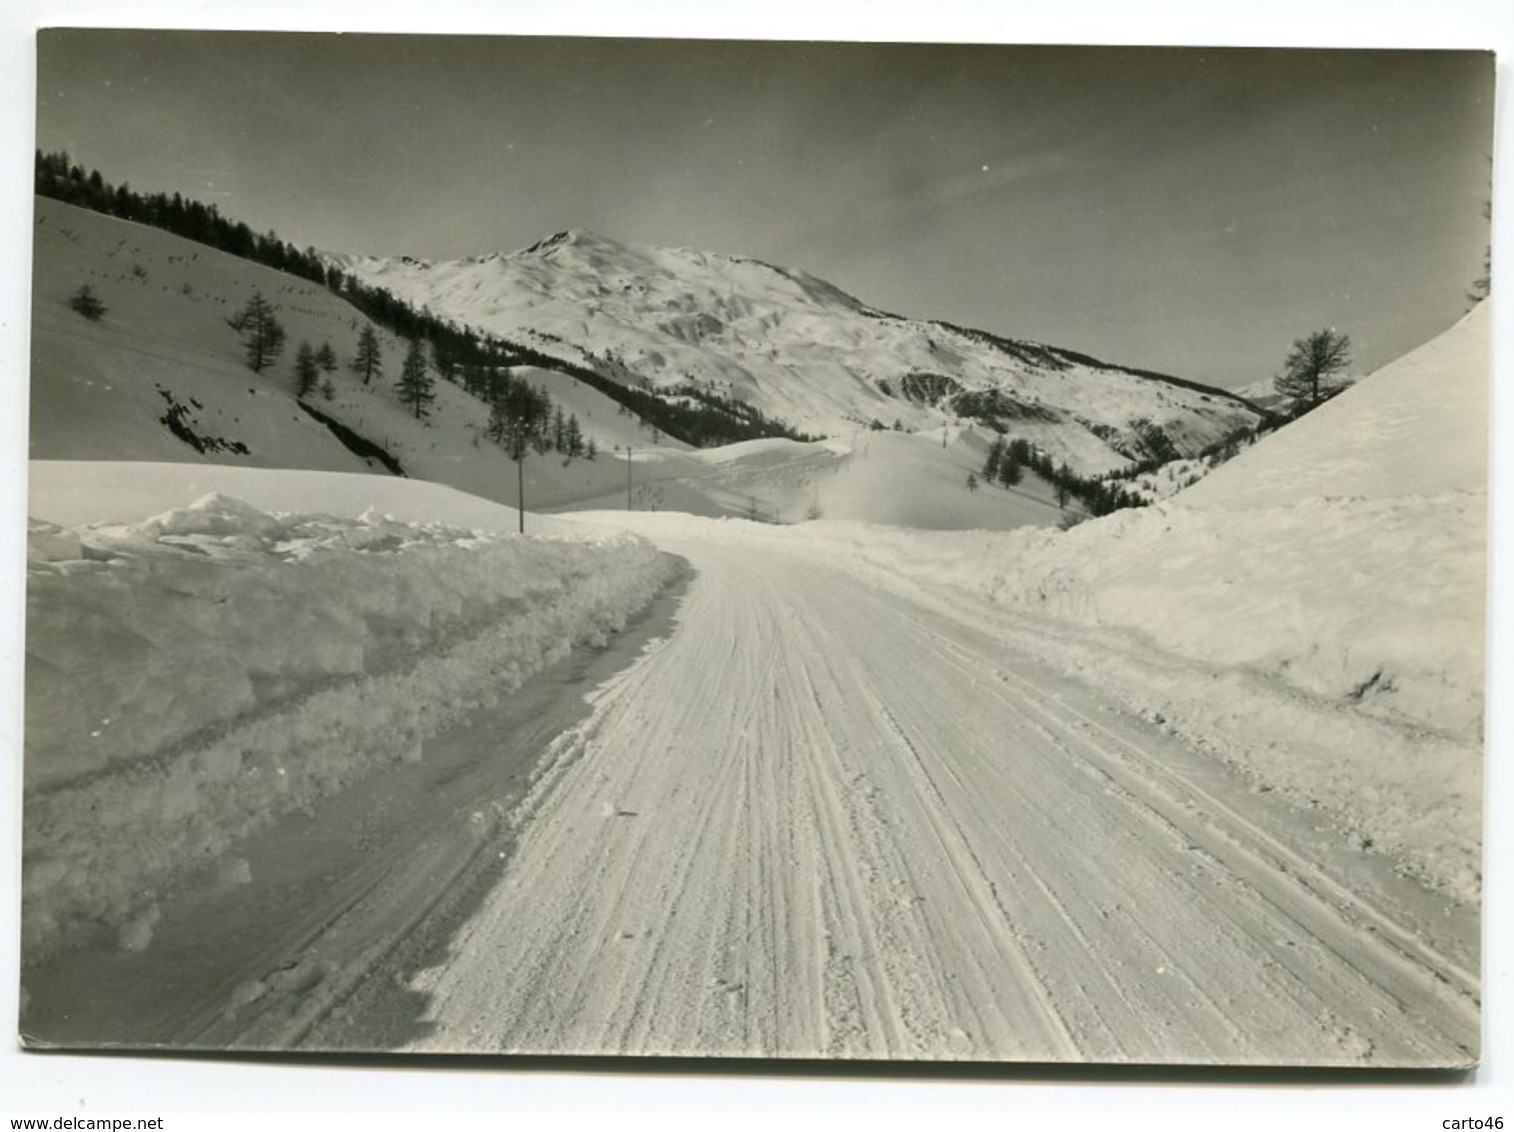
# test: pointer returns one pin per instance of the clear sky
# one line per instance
(1187, 210)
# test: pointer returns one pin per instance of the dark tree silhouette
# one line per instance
(1153, 440)
(87, 303)
(416, 383)
(559, 430)
(995, 458)
(369, 356)
(1010, 472)
(1309, 372)
(573, 438)
(307, 371)
(262, 336)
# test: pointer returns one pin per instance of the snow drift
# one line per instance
(194, 675)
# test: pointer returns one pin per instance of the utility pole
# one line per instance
(520, 477)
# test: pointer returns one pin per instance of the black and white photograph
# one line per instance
(842, 551)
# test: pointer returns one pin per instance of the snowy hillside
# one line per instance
(196, 674)
(1417, 427)
(162, 377)
(798, 348)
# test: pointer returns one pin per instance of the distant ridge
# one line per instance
(687, 323)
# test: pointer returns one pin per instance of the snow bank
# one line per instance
(193, 675)
(1376, 603)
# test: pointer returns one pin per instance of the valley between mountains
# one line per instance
(806, 745)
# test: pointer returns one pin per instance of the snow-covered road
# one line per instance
(819, 820)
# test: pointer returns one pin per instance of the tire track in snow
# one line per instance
(817, 821)
(1373, 966)
(1353, 909)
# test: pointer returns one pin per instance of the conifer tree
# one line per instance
(1308, 376)
(325, 357)
(369, 356)
(498, 428)
(1010, 472)
(416, 383)
(995, 458)
(307, 372)
(262, 336)
(443, 362)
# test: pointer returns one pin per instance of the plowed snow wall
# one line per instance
(193, 677)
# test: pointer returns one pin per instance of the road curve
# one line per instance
(818, 820)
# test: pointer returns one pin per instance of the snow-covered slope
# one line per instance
(1346, 552)
(164, 352)
(797, 347)
(1417, 427)
(105, 390)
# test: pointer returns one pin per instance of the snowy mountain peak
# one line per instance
(803, 351)
(580, 238)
